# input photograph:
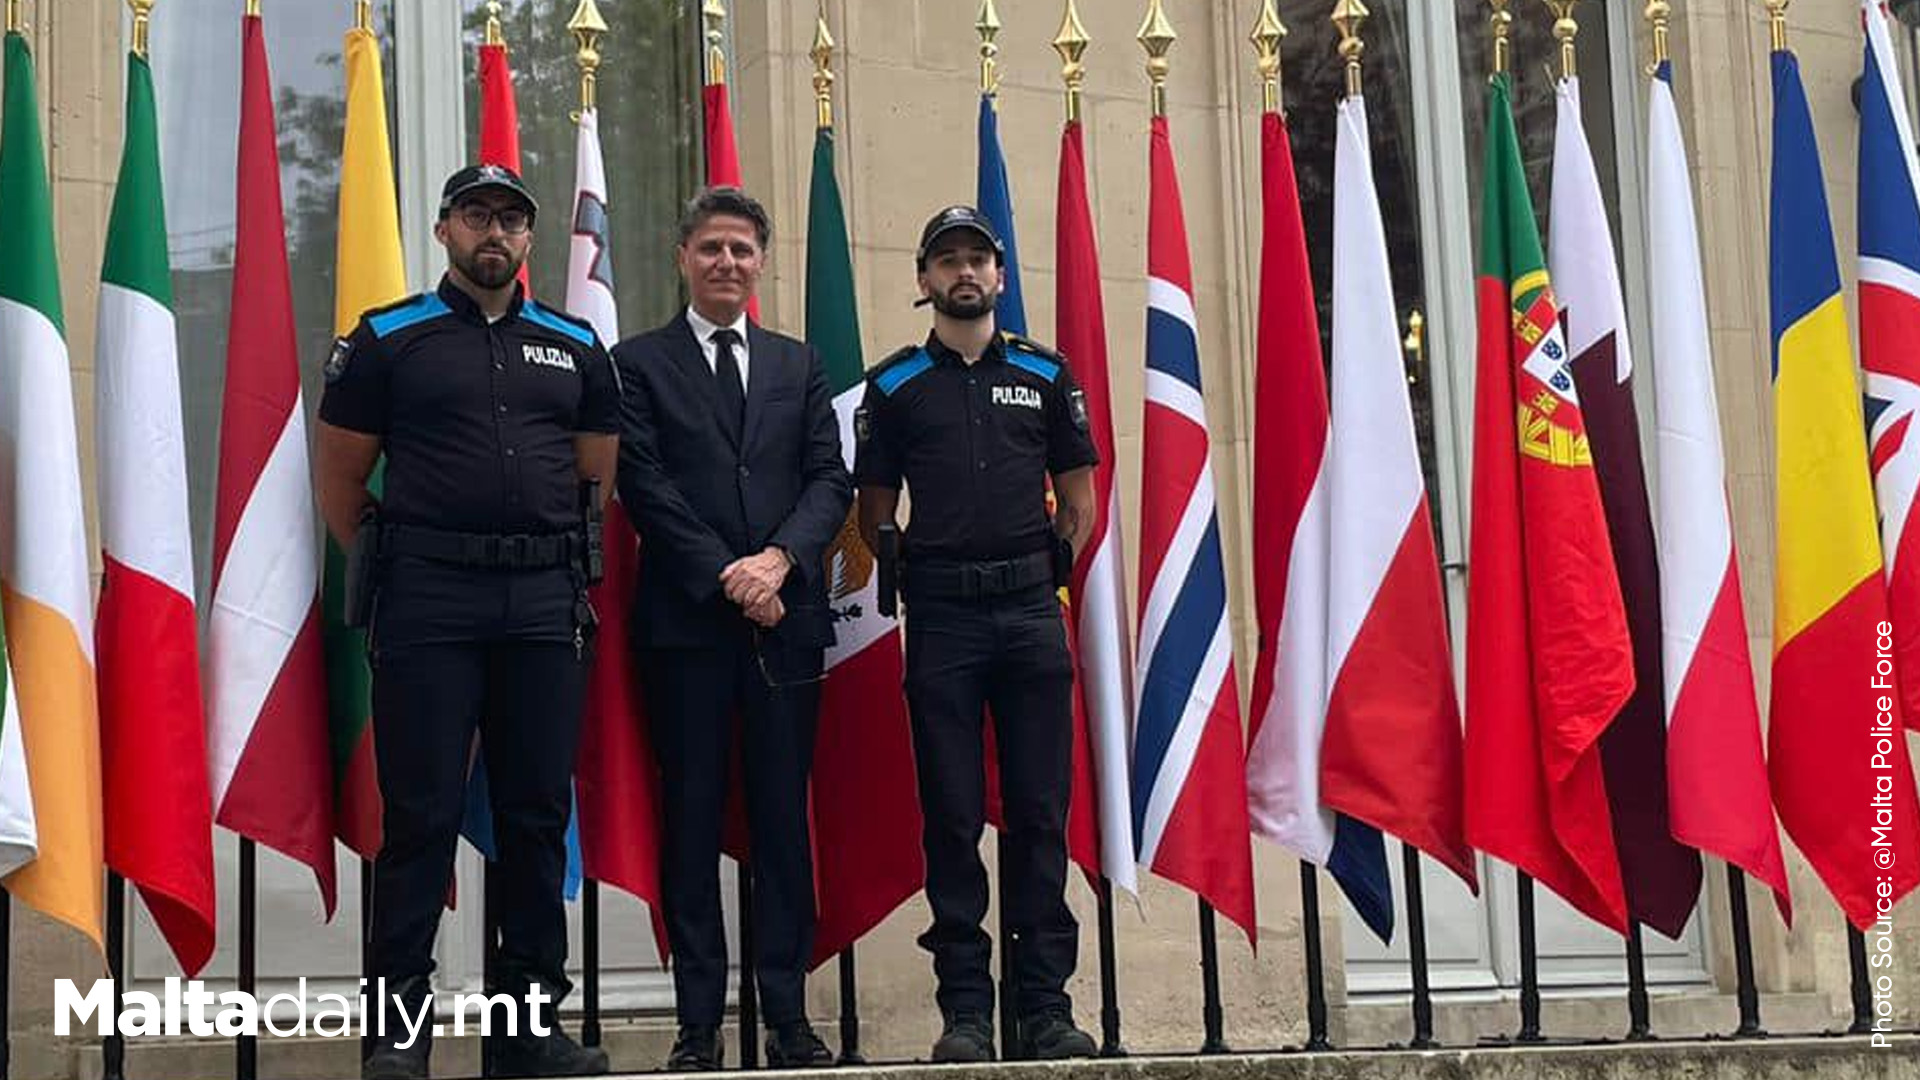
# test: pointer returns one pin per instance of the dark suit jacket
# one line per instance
(699, 501)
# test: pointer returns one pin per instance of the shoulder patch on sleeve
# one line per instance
(338, 359)
(1077, 409)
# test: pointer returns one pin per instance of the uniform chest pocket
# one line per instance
(544, 380)
(1018, 413)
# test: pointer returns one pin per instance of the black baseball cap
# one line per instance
(480, 177)
(955, 218)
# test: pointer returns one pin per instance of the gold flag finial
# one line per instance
(363, 15)
(988, 27)
(1156, 36)
(588, 27)
(823, 68)
(1777, 22)
(142, 18)
(1266, 36)
(1502, 22)
(1658, 12)
(16, 23)
(1415, 345)
(714, 14)
(1349, 16)
(1565, 29)
(494, 33)
(253, 8)
(1071, 43)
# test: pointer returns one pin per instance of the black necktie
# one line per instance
(726, 379)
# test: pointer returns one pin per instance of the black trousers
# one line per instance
(1007, 654)
(693, 696)
(525, 699)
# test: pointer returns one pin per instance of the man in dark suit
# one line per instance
(730, 466)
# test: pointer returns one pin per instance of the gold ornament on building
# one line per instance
(587, 27)
(988, 27)
(1071, 43)
(1565, 29)
(1349, 16)
(495, 36)
(142, 20)
(822, 69)
(1267, 34)
(1658, 12)
(1777, 22)
(1156, 36)
(713, 13)
(1502, 22)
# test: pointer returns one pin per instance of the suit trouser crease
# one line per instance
(524, 699)
(698, 699)
(1007, 655)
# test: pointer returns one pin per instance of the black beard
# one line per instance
(489, 275)
(967, 310)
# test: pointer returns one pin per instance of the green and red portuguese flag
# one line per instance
(1549, 661)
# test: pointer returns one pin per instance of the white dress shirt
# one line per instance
(703, 330)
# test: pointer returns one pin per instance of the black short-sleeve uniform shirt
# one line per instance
(974, 444)
(477, 420)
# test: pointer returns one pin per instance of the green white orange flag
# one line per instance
(153, 738)
(370, 272)
(48, 602)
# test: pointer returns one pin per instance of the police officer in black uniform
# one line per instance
(973, 422)
(496, 415)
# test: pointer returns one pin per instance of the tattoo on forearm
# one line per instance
(1069, 524)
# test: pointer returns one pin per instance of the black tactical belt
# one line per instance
(943, 580)
(481, 551)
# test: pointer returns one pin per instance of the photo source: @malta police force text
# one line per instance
(1886, 738)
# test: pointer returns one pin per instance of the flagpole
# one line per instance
(1071, 43)
(1156, 38)
(1777, 23)
(1268, 31)
(848, 970)
(1746, 986)
(987, 25)
(587, 27)
(1500, 22)
(16, 24)
(1565, 29)
(714, 14)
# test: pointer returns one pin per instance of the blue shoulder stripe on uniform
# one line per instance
(895, 377)
(540, 316)
(420, 309)
(1039, 365)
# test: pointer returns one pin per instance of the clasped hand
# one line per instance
(754, 582)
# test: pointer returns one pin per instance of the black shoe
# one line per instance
(552, 1054)
(388, 1060)
(1053, 1037)
(968, 1037)
(795, 1046)
(696, 1049)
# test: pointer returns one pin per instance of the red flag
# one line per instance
(500, 119)
(1099, 821)
(1549, 662)
(723, 156)
(271, 761)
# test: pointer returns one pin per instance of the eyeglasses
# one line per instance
(514, 220)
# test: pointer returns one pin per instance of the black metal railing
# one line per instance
(1638, 1028)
